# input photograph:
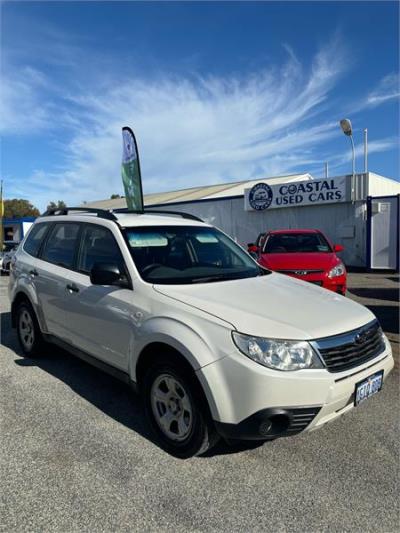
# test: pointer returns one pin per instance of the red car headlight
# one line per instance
(337, 271)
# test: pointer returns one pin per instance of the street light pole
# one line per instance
(347, 129)
(353, 156)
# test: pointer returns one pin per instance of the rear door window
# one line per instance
(61, 245)
(35, 238)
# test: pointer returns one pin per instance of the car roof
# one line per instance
(294, 231)
(125, 219)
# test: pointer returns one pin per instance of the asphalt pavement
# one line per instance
(76, 455)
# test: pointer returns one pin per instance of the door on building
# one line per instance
(383, 225)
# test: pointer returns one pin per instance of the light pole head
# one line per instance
(345, 124)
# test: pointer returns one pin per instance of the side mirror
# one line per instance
(104, 274)
(338, 248)
(252, 248)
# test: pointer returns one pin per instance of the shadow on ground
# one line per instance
(388, 316)
(112, 397)
(391, 295)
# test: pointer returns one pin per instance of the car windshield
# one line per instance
(286, 243)
(188, 254)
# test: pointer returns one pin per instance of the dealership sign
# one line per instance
(295, 194)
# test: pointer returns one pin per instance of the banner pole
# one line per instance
(140, 171)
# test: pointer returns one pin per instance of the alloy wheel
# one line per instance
(172, 408)
(26, 329)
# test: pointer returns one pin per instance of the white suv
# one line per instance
(215, 344)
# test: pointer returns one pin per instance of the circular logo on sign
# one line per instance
(260, 196)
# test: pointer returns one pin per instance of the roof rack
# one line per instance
(101, 213)
(158, 212)
(108, 214)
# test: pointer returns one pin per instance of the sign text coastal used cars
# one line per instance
(312, 192)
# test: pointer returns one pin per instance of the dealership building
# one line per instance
(15, 229)
(360, 212)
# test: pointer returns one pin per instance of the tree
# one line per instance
(115, 196)
(59, 205)
(19, 208)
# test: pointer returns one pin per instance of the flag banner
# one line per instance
(131, 176)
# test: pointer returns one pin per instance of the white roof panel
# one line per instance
(221, 190)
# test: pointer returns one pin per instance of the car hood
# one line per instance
(300, 261)
(274, 305)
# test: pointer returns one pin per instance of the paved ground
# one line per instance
(76, 456)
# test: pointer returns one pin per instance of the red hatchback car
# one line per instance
(304, 254)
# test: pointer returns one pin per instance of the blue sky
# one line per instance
(214, 91)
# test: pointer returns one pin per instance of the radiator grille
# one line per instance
(300, 271)
(351, 349)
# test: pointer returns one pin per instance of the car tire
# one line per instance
(29, 335)
(176, 410)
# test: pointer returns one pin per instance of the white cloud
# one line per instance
(337, 161)
(387, 89)
(190, 130)
(21, 106)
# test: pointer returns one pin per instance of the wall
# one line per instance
(381, 186)
(12, 231)
(16, 228)
(343, 223)
(25, 227)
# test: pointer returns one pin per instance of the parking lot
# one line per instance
(77, 455)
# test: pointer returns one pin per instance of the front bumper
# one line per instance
(338, 284)
(269, 424)
(249, 401)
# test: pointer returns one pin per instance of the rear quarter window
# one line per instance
(35, 239)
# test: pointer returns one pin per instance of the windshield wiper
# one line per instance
(205, 279)
(220, 277)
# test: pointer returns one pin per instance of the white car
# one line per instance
(6, 256)
(215, 344)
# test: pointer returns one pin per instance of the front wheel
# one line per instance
(174, 406)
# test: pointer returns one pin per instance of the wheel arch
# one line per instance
(173, 334)
(155, 351)
(22, 296)
(162, 351)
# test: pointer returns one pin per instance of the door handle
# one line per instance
(72, 287)
(34, 272)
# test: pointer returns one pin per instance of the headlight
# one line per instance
(277, 354)
(336, 271)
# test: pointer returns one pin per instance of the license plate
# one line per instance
(368, 387)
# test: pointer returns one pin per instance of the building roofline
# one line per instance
(196, 187)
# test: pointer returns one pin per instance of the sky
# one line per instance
(215, 92)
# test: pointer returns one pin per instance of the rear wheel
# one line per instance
(174, 406)
(29, 334)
